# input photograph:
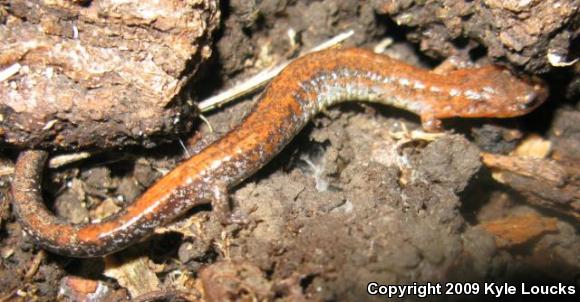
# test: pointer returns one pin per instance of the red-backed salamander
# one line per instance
(299, 92)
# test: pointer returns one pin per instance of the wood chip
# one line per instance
(518, 230)
(133, 273)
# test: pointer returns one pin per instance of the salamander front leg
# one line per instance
(430, 123)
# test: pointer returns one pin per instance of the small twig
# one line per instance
(262, 78)
(65, 159)
(541, 169)
(9, 71)
(35, 265)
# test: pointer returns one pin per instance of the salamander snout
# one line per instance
(512, 95)
(492, 91)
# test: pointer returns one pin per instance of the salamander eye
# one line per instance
(534, 98)
(530, 101)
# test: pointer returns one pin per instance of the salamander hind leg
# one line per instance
(453, 63)
(222, 208)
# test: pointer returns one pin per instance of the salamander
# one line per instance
(305, 87)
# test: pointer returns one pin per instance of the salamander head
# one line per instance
(494, 92)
